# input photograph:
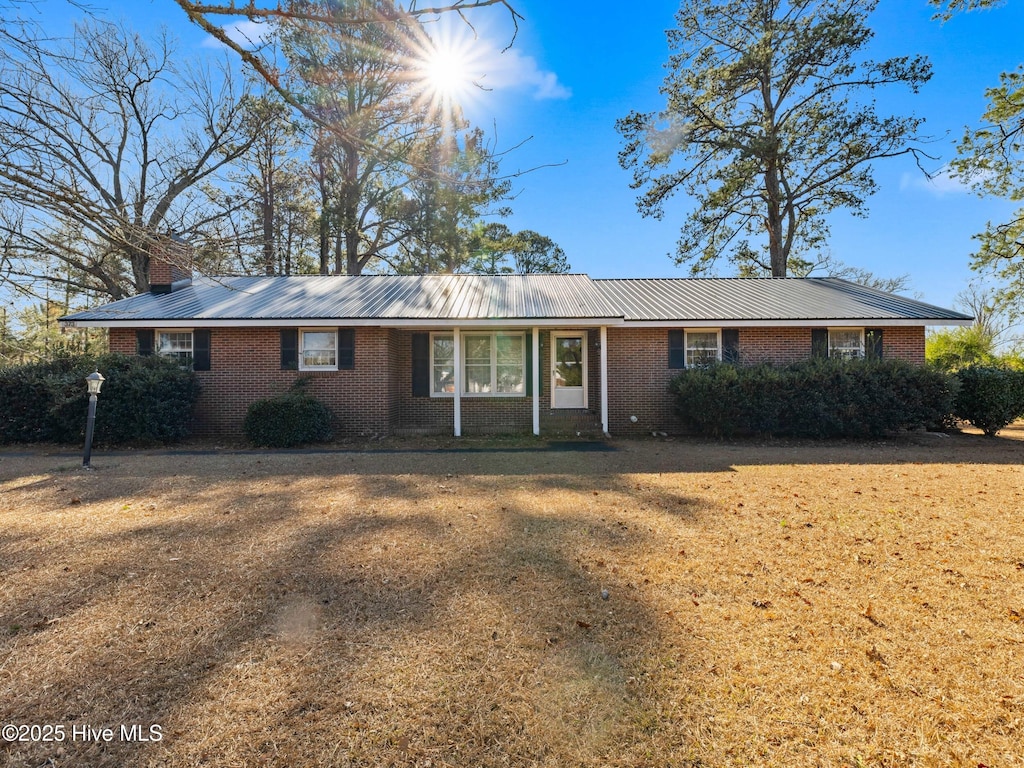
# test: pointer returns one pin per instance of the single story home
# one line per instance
(461, 354)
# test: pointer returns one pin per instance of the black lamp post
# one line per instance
(94, 381)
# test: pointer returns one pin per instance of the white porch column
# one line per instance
(457, 340)
(535, 374)
(604, 379)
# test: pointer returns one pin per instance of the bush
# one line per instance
(990, 397)
(291, 419)
(827, 398)
(144, 400)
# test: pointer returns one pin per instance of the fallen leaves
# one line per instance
(868, 612)
(875, 656)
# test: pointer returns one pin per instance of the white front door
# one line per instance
(569, 369)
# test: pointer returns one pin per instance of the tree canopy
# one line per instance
(108, 144)
(990, 159)
(330, 18)
(763, 129)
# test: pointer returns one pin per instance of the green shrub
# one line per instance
(144, 400)
(284, 421)
(826, 398)
(990, 397)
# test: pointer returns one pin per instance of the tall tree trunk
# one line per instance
(353, 264)
(267, 214)
(325, 241)
(773, 220)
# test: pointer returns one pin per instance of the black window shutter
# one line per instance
(873, 344)
(421, 365)
(201, 349)
(730, 345)
(289, 349)
(676, 349)
(819, 343)
(346, 349)
(529, 363)
(144, 342)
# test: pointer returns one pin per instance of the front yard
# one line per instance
(669, 603)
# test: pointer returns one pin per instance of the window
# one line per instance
(701, 348)
(689, 349)
(492, 364)
(442, 365)
(846, 343)
(509, 375)
(177, 344)
(318, 350)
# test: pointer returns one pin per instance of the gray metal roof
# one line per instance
(736, 299)
(488, 299)
(367, 297)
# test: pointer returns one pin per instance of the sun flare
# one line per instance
(448, 71)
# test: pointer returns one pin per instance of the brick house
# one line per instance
(462, 354)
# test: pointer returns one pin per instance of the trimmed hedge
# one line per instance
(144, 400)
(819, 398)
(990, 397)
(285, 421)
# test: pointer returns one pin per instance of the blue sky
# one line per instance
(575, 68)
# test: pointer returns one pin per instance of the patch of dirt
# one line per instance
(670, 603)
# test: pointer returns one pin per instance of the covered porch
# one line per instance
(465, 379)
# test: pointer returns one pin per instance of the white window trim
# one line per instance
(686, 343)
(156, 340)
(433, 392)
(862, 352)
(302, 349)
(494, 362)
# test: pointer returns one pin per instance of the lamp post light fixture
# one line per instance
(94, 381)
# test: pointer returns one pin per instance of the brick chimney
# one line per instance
(170, 264)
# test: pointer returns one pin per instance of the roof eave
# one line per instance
(859, 322)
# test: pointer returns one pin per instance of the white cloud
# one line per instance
(246, 33)
(511, 69)
(940, 183)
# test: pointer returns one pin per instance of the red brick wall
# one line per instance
(782, 346)
(245, 366)
(169, 262)
(638, 377)
(376, 397)
(122, 341)
(904, 342)
(638, 372)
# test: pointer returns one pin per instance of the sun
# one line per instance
(447, 71)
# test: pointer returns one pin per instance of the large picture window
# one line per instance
(493, 364)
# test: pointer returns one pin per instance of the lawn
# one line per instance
(666, 603)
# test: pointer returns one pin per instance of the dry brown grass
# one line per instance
(783, 604)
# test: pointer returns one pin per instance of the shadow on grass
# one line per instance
(357, 619)
(680, 454)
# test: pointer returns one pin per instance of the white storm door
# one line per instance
(569, 369)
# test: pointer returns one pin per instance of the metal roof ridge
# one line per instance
(759, 278)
